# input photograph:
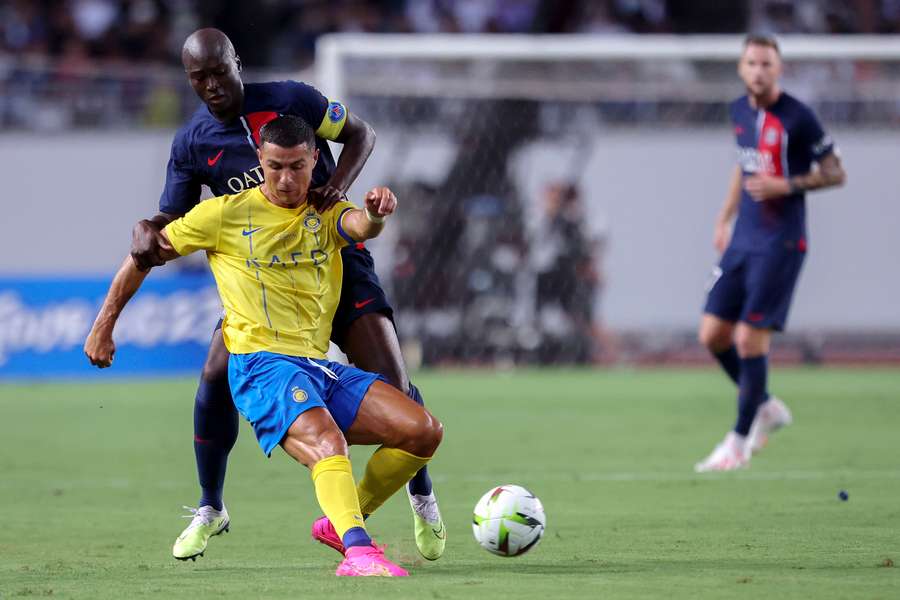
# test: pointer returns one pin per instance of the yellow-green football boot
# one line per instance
(205, 523)
(431, 535)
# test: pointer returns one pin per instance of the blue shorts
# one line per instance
(755, 287)
(271, 390)
(361, 292)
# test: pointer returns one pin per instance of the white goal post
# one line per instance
(333, 49)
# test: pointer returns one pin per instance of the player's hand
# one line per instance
(147, 245)
(721, 235)
(100, 348)
(766, 187)
(381, 201)
(325, 197)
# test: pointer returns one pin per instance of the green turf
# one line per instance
(94, 475)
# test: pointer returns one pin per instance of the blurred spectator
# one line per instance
(65, 60)
(283, 32)
(568, 278)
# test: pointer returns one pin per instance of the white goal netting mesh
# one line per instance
(536, 180)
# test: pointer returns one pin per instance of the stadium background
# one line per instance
(555, 210)
(559, 165)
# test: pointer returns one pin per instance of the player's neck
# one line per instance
(766, 100)
(280, 203)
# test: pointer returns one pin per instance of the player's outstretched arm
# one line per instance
(722, 231)
(365, 224)
(99, 346)
(358, 139)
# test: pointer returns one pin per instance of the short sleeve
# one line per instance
(199, 229)
(327, 116)
(340, 209)
(182, 190)
(814, 138)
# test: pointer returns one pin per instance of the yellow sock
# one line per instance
(387, 471)
(336, 492)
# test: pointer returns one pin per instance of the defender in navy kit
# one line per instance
(779, 141)
(217, 148)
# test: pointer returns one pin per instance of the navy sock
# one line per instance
(730, 362)
(356, 536)
(751, 392)
(215, 431)
(420, 484)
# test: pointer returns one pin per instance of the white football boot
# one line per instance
(732, 453)
(772, 415)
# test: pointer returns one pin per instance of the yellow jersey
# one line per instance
(278, 270)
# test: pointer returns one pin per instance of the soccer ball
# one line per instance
(508, 521)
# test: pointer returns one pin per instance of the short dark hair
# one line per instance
(287, 131)
(762, 39)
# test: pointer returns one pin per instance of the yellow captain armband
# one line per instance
(333, 122)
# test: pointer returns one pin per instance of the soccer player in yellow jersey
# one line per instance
(277, 266)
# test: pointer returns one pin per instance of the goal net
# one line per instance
(558, 192)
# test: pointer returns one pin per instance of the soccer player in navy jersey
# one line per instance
(783, 152)
(218, 148)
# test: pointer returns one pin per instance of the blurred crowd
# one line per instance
(282, 33)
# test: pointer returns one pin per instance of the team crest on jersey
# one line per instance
(299, 395)
(336, 112)
(312, 222)
(770, 136)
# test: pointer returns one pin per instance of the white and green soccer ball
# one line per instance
(508, 521)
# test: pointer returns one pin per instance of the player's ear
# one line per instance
(237, 61)
(315, 157)
(259, 155)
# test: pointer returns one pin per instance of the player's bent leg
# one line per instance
(315, 441)
(408, 434)
(215, 432)
(215, 423)
(717, 336)
(753, 347)
(376, 331)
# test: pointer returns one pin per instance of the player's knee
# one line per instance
(331, 443)
(428, 435)
(750, 343)
(714, 339)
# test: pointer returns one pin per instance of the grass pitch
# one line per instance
(94, 475)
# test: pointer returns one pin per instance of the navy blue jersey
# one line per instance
(223, 157)
(783, 140)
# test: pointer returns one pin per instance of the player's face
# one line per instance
(216, 79)
(287, 172)
(760, 68)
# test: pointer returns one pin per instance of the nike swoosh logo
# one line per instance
(251, 232)
(364, 303)
(212, 161)
(439, 533)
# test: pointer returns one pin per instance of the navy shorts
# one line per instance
(755, 287)
(361, 292)
(271, 390)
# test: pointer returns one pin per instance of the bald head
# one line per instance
(214, 71)
(207, 43)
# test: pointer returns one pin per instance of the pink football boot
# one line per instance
(368, 561)
(324, 533)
